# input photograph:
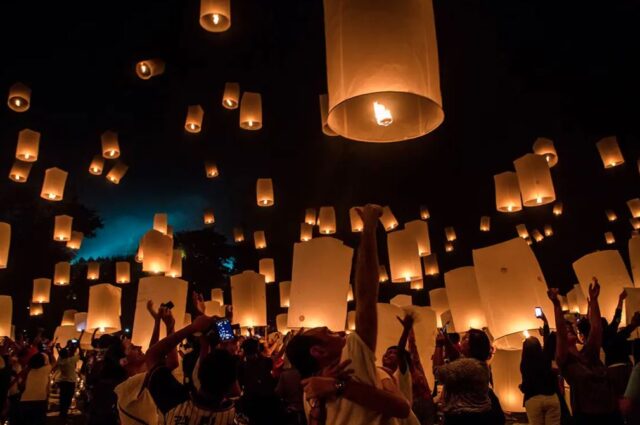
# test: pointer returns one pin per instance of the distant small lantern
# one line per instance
(635, 223)
(211, 169)
(28, 144)
(36, 310)
(634, 207)
(448, 246)
(267, 268)
(383, 276)
(522, 231)
(557, 208)
(231, 95)
(251, 111)
(215, 15)
(41, 291)
(285, 291)
(110, 145)
(610, 152)
(424, 213)
(351, 321)
(176, 264)
(149, 68)
(609, 238)
(160, 222)
(217, 295)
(403, 256)
(193, 123)
(324, 112)
(20, 171)
(5, 243)
(264, 192)
(350, 293)
(68, 318)
(534, 180)
(62, 228)
(76, 240)
(356, 222)
(420, 231)
(306, 232)
(97, 165)
(450, 234)
(281, 323)
(158, 250)
(209, 217)
(417, 285)
(123, 272)
(259, 239)
(19, 97)
(543, 146)
(387, 219)
(62, 273)
(485, 223)
(611, 215)
(536, 235)
(430, 263)
(93, 270)
(548, 230)
(238, 235)
(507, 192)
(327, 220)
(53, 185)
(117, 172)
(310, 216)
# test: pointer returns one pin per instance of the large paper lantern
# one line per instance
(464, 298)
(327, 220)
(634, 207)
(609, 238)
(93, 270)
(324, 113)
(97, 165)
(41, 291)
(534, 180)
(310, 216)
(264, 192)
(62, 273)
(387, 219)
(149, 68)
(248, 293)
(209, 217)
(6, 314)
(382, 69)
(5, 243)
(420, 231)
(403, 256)
(577, 300)
(20, 171)
(306, 232)
(557, 208)
(123, 272)
(36, 310)
(383, 276)
(281, 323)
(19, 97)
(211, 169)
(544, 147)
(215, 15)
(430, 263)
(160, 222)
(231, 95)
(217, 295)
(110, 145)
(417, 284)
(485, 223)
(507, 192)
(80, 321)
(251, 111)
(607, 266)
(53, 185)
(158, 250)
(522, 231)
(285, 294)
(439, 302)
(238, 235)
(28, 143)
(63, 334)
(214, 308)
(319, 282)
(634, 259)
(76, 240)
(356, 221)
(117, 172)
(159, 289)
(267, 268)
(68, 318)
(505, 370)
(511, 286)
(450, 234)
(259, 239)
(62, 228)
(193, 123)
(610, 152)
(104, 308)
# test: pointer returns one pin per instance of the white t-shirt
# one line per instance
(135, 404)
(37, 385)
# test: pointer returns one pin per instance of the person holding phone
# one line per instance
(68, 358)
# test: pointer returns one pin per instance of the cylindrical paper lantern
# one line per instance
(281, 323)
(310, 216)
(544, 147)
(41, 291)
(5, 243)
(264, 192)
(214, 308)
(123, 272)
(62, 273)
(215, 15)
(104, 308)
(217, 295)
(139, 257)
(324, 113)
(251, 111)
(211, 169)
(424, 213)
(20, 171)
(356, 221)
(93, 270)
(158, 250)
(306, 232)
(534, 180)
(577, 300)
(350, 294)
(80, 321)
(19, 97)
(193, 123)
(557, 208)
(149, 68)
(209, 217)
(430, 263)
(6, 312)
(53, 185)
(635, 223)
(485, 223)
(383, 79)
(548, 230)
(609, 238)
(267, 268)
(420, 231)
(231, 95)
(448, 246)
(507, 192)
(401, 301)
(403, 256)
(110, 145)
(383, 276)
(327, 220)
(248, 293)
(522, 231)
(634, 207)
(36, 310)
(176, 264)
(610, 152)
(634, 260)
(62, 228)
(439, 303)
(505, 369)
(387, 219)
(611, 215)
(160, 222)
(285, 291)
(117, 172)
(76, 240)
(536, 235)
(238, 235)
(68, 318)
(464, 299)
(351, 321)
(97, 165)
(450, 233)
(417, 284)
(28, 143)
(259, 239)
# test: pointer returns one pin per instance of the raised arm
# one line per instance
(562, 337)
(155, 334)
(170, 323)
(594, 342)
(407, 325)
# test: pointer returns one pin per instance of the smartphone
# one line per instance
(538, 312)
(225, 331)
(74, 341)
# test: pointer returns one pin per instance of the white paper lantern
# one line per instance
(176, 264)
(149, 68)
(609, 238)
(634, 207)
(401, 300)
(41, 291)
(158, 250)
(310, 216)
(19, 97)
(534, 179)
(5, 243)
(110, 145)
(217, 294)
(231, 95)
(36, 310)
(238, 235)
(68, 318)
(387, 219)
(424, 213)
(104, 308)
(351, 321)
(420, 231)
(485, 223)
(6, 314)
(28, 144)
(97, 165)
(251, 111)
(62, 273)
(610, 152)
(93, 270)
(80, 321)
(76, 240)
(327, 220)
(383, 276)
(259, 239)
(20, 170)
(117, 172)
(403, 256)
(544, 147)
(507, 192)
(464, 298)
(557, 208)
(577, 300)
(264, 192)
(248, 293)
(215, 15)
(285, 294)
(281, 323)
(350, 293)
(267, 268)
(611, 215)
(306, 232)
(53, 185)
(430, 263)
(505, 370)
(62, 228)
(324, 112)
(211, 169)
(450, 234)
(193, 123)
(356, 221)
(536, 235)
(160, 222)
(439, 303)
(548, 230)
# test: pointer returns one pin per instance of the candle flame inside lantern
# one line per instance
(101, 329)
(510, 208)
(250, 123)
(112, 152)
(51, 196)
(216, 19)
(228, 102)
(144, 69)
(27, 156)
(538, 199)
(526, 334)
(383, 115)
(18, 102)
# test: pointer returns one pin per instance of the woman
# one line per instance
(33, 403)
(539, 384)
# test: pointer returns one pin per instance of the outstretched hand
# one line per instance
(167, 317)
(623, 295)
(594, 290)
(152, 310)
(407, 322)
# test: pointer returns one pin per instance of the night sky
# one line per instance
(511, 71)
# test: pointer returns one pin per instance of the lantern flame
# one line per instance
(51, 196)
(250, 124)
(383, 114)
(18, 102)
(216, 19)
(510, 208)
(228, 102)
(144, 69)
(538, 199)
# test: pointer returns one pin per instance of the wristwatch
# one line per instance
(340, 386)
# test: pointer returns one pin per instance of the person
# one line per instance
(34, 399)
(539, 384)
(333, 394)
(66, 364)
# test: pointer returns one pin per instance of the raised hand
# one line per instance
(553, 293)
(152, 311)
(407, 322)
(167, 318)
(594, 290)
(623, 295)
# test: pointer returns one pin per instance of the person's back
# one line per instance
(466, 386)
(539, 385)
(34, 399)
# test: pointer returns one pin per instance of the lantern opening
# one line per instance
(383, 114)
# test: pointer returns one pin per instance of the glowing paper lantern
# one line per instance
(387, 219)
(264, 192)
(577, 300)
(403, 256)
(28, 143)
(548, 230)
(505, 369)
(424, 213)
(267, 268)
(635, 223)
(217, 295)
(5, 243)
(327, 220)
(310, 216)
(193, 123)
(430, 263)
(634, 207)
(610, 152)
(62, 228)
(63, 334)
(350, 294)
(209, 217)
(19, 97)
(248, 293)
(117, 172)
(110, 145)
(62, 273)
(160, 222)
(420, 231)
(417, 284)
(485, 223)
(383, 276)
(214, 308)
(609, 238)
(251, 111)
(281, 323)
(53, 185)
(80, 321)
(231, 95)
(285, 294)
(306, 232)
(324, 113)
(123, 272)
(557, 208)
(401, 301)
(320, 280)
(20, 171)
(450, 233)
(259, 239)
(211, 169)
(351, 321)
(238, 235)
(464, 298)
(93, 270)
(41, 291)
(522, 231)
(215, 15)
(611, 215)
(534, 179)
(448, 247)
(149, 68)
(537, 236)
(36, 310)
(356, 222)
(158, 250)
(634, 259)
(6, 312)
(507, 192)
(104, 308)
(97, 165)
(68, 318)
(439, 302)
(545, 148)
(76, 240)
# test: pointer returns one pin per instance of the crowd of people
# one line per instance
(196, 375)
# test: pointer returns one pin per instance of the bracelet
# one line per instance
(340, 386)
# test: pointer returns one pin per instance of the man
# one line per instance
(317, 353)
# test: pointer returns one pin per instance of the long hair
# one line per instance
(533, 362)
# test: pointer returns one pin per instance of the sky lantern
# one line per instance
(485, 223)
(160, 222)
(635, 223)
(439, 302)
(536, 235)
(214, 308)
(420, 231)
(281, 323)
(507, 192)
(310, 216)
(62, 228)
(387, 219)
(104, 308)
(259, 239)
(68, 318)
(80, 321)
(93, 270)
(6, 313)
(610, 152)
(350, 293)
(20, 170)
(53, 185)
(324, 113)
(609, 238)
(123, 272)
(611, 215)
(448, 246)
(383, 78)
(285, 291)
(403, 256)
(534, 180)
(215, 15)
(634, 259)
(430, 263)
(251, 111)
(149, 68)
(193, 123)
(19, 97)
(158, 250)
(505, 369)
(238, 235)
(634, 207)
(548, 230)
(28, 143)
(557, 209)
(110, 145)
(62, 273)
(264, 192)
(117, 172)
(417, 284)
(248, 294)
(41, 290)
(522, 231)
(424, 213)
(383, 276)
(5, 243)
(327, 220)
(76, 240)
(209, 217)
(351, 321)
(36, 309)
(401, 300)
(450, 234)
(464, 298)
(319, 284)
(544, 147)
(577, 300)
(211, 169)
(97, 165)
(356, 222)
(217, 294)
(231, 95)
(267, 268)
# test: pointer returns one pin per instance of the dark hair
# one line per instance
(217, 373)
(299, 354)
(479, 345)
(63, 353)
(454, 337)
(36, 361)
(533, 358)
(250, 346)
(584, 326)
